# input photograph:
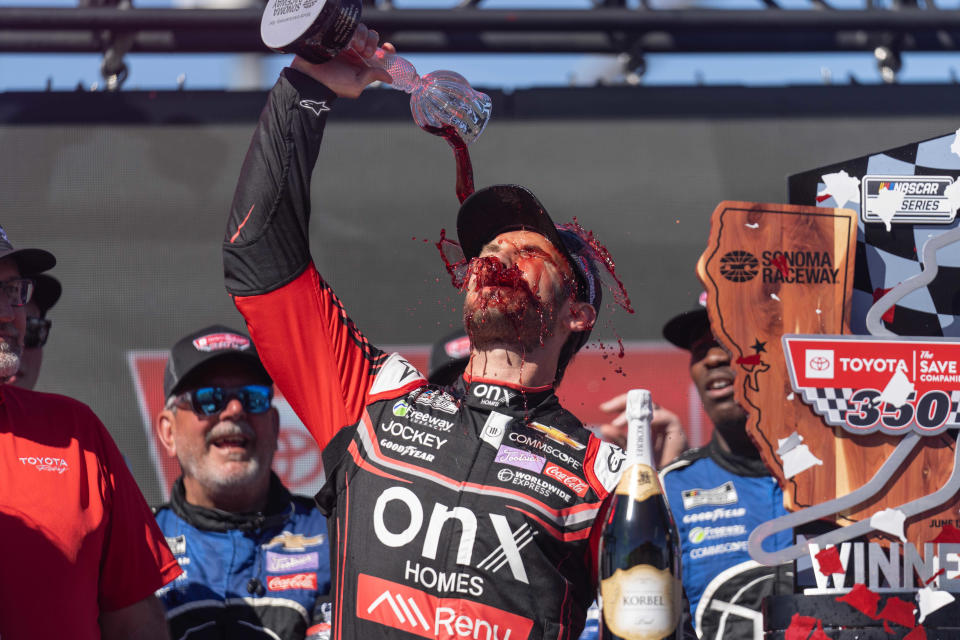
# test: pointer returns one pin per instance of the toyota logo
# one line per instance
(819, 363)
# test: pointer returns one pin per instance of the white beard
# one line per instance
(9, 360)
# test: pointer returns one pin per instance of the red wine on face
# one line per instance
(639, 551)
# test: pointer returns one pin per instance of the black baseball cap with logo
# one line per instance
(686, 328)
(508, 207)
(29, 261)
(202, 347)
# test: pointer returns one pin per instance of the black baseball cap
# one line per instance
(449, 357)
(46, 292)
(508, 207)
(204, 346)
(686, 328)
(29, 261)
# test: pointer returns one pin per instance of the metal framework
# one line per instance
(115, 27)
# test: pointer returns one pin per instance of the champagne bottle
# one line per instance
(639, 554)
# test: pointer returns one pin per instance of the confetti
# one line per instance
(798, 460)
(955, 146)
(775, 297)
(828, 561)
(843, 187)
(791, 396)
(929, 600)
(800, 627)
(862, 599)
(918, 633)
(948, 533)
(897, 390)
(752, 225)
(889, 521)
(887, 204)
(898, 612)
(819, 633)
(788, 443)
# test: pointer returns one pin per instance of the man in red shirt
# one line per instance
(82, 554)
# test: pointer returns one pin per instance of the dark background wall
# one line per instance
(130, 191)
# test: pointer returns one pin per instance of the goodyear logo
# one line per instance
(924, 199)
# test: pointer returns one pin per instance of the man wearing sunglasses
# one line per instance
(255, 557)
(82, 554)
(461, 511)
(46, 292)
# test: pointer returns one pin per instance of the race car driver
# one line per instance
(255, 557)
(455, 512)
(718, 494)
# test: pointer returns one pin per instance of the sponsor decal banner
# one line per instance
(722, 495)
(520, 458)
(277, 562)
(294, 541)
(925, 199)
(292, 581)
(414, 611)
(219, 341)
(45, 463)
(557, 435)
(575, 483)
(866, 384)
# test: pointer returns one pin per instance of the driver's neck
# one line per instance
(536, 368)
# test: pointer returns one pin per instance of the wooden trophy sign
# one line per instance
(854, 427)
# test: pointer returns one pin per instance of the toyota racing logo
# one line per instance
(819, 363)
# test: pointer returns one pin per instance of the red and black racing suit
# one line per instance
(464, 512)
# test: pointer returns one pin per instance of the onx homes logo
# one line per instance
(925, 199)
(866, 384)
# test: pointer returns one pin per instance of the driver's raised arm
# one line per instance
(319, 360)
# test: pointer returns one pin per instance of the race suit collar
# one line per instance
(740, 465)
(489, 395)
(278, 511)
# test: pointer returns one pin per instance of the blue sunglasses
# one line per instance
(208, 401)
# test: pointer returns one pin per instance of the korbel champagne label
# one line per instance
(639, 482)
(641, 603)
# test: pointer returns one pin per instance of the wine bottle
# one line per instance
(639, 555)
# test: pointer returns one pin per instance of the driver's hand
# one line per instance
(348, 74)
(669, 440)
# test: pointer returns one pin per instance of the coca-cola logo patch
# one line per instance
(575, 483)
(292, 581)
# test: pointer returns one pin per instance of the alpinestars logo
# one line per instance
(413, 611)
(317, 107)
(45, 463)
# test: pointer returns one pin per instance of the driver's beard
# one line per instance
(524, 325)
(9, 360)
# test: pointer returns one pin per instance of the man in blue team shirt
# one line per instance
(718, 494)
(255, 558)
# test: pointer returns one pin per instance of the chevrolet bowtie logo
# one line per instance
(294, 541)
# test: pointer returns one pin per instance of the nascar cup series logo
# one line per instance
(907, 199)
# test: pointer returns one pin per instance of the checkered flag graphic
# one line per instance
(886, 258)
